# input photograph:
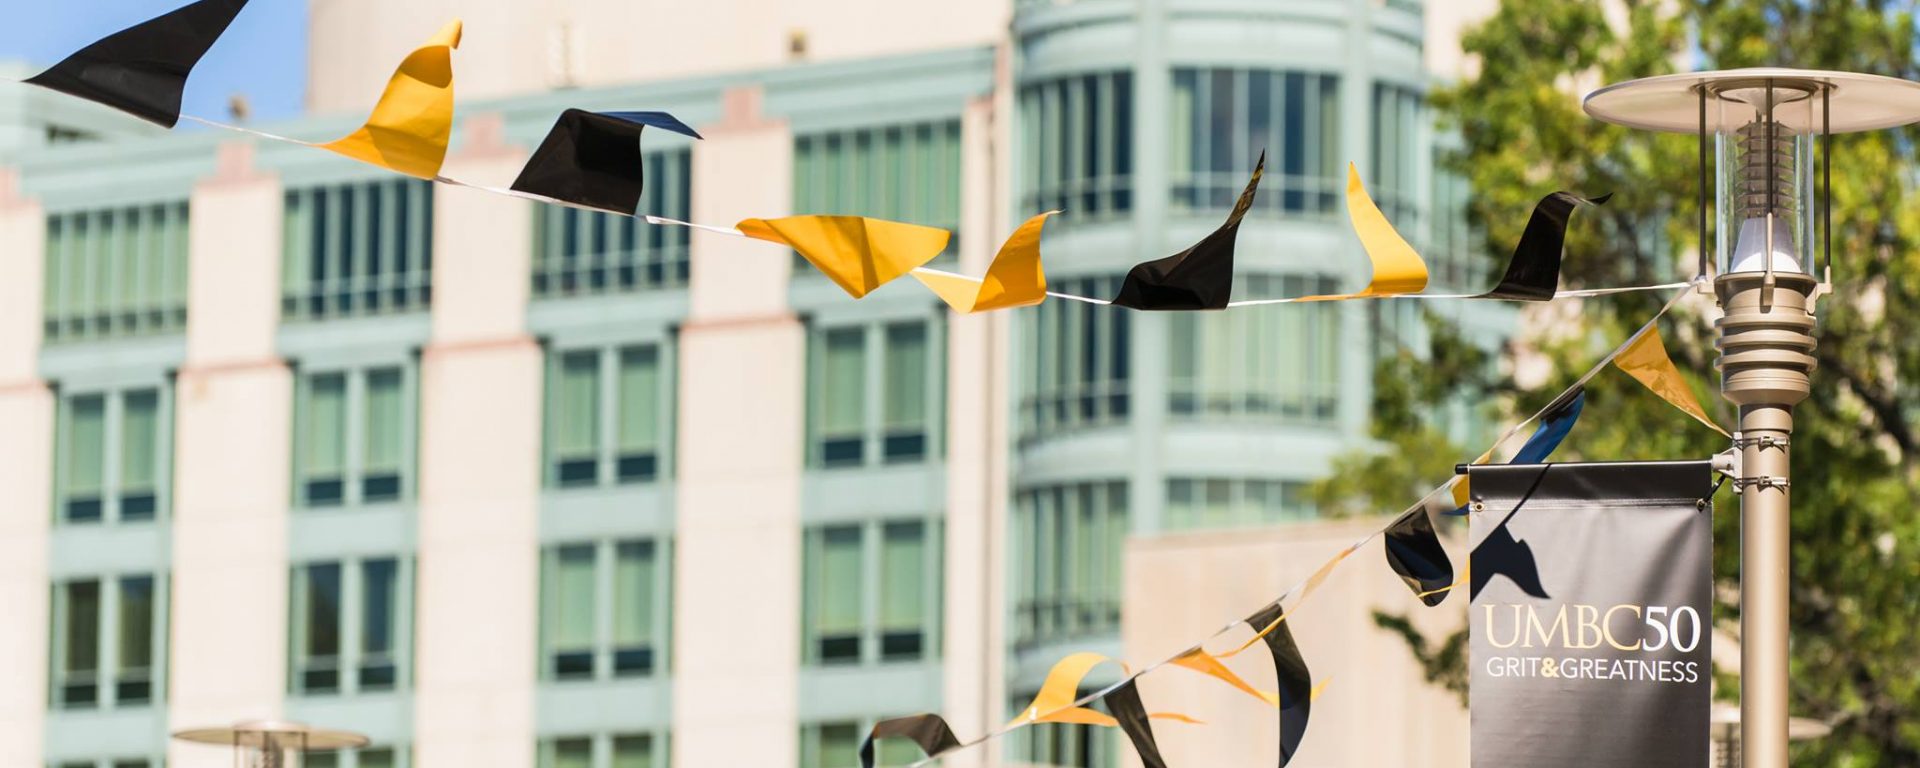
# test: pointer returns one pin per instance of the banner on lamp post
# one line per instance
(1592, 614)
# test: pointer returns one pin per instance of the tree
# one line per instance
(1856, 534)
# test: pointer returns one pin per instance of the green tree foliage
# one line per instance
(1856, 517)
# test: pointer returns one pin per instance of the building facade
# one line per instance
(505, 485)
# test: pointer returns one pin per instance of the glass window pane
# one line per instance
(838, 746)
(904, 608)
(579, 391)
(323, 611)
(86, 446)
(844, 382)
(139, 440)
(326, 443)
(380, 580)
(639, 399)
(838, 622)
(572, 753)
(906, 377)
(383, 422)
(136, 626)
(632, 752)
(633, 590)
(375, 758)
(573, 595)
(83, 629)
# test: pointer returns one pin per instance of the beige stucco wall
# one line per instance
(532, 45)
(234, 401)
(26, 473)
(1375, 710)
(480, 395)
(736, 591)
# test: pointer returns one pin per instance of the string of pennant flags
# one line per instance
(1411, 548)
(592, 161)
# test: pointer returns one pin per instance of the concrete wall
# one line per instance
(231, 453)
(736, 586)
(1376, 709)
(480, 395)
(534, 45)
(26, 478)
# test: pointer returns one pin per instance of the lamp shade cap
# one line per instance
(1671, 103)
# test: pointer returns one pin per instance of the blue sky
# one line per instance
(263, 55)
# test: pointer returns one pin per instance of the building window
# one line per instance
(360, 248)
(908, 172)
(1398, 154)
(607, 411)
(1065, 745)
(876, 393)
(349, 626)
(1077, 366)
(620, 750)
(1224, 118)
(578, 252)
(1077, 133)
(872, 592)
(118, 762)
(111, 456)
(354, 435)
(108, 634)
(1271, 363)
(836, 744)
(116, 272)
(1454, 239)
(364, 757)
(604, 610)
(1218, 502)
(1067, 561)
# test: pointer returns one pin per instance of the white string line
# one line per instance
(1595, 370)
(734, 232)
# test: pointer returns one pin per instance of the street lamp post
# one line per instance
(1763, 125)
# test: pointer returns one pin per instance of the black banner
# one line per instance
(1592, 614)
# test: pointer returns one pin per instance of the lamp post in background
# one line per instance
(272, 743)
(1768, 134)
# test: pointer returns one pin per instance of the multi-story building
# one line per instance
(505, 485)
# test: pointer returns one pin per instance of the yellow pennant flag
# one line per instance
(857, 253)
(1646, 360)
(1210, 665)
(1053, 704)
(1397, 268)
(410, 127)
(1014, 279)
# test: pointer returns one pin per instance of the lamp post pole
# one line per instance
(1766, 354)
(1769, 226)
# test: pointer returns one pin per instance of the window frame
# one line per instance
(144, 240)
(607, 455)
(864, 171)
(601, 747)
(876, 433)
(350, 664)
(1056, 597)
(872, 635)
(354, 475)
(603, 649)
(340, 246)
(113, 497)
(559, 271)
(105, 680)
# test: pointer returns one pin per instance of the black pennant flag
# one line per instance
(1295, 681)
(929, 731)
(1414, 551)
(1123, 702)
(142, 70)
(1534, 272)
(1200, 277)
(593, 159)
